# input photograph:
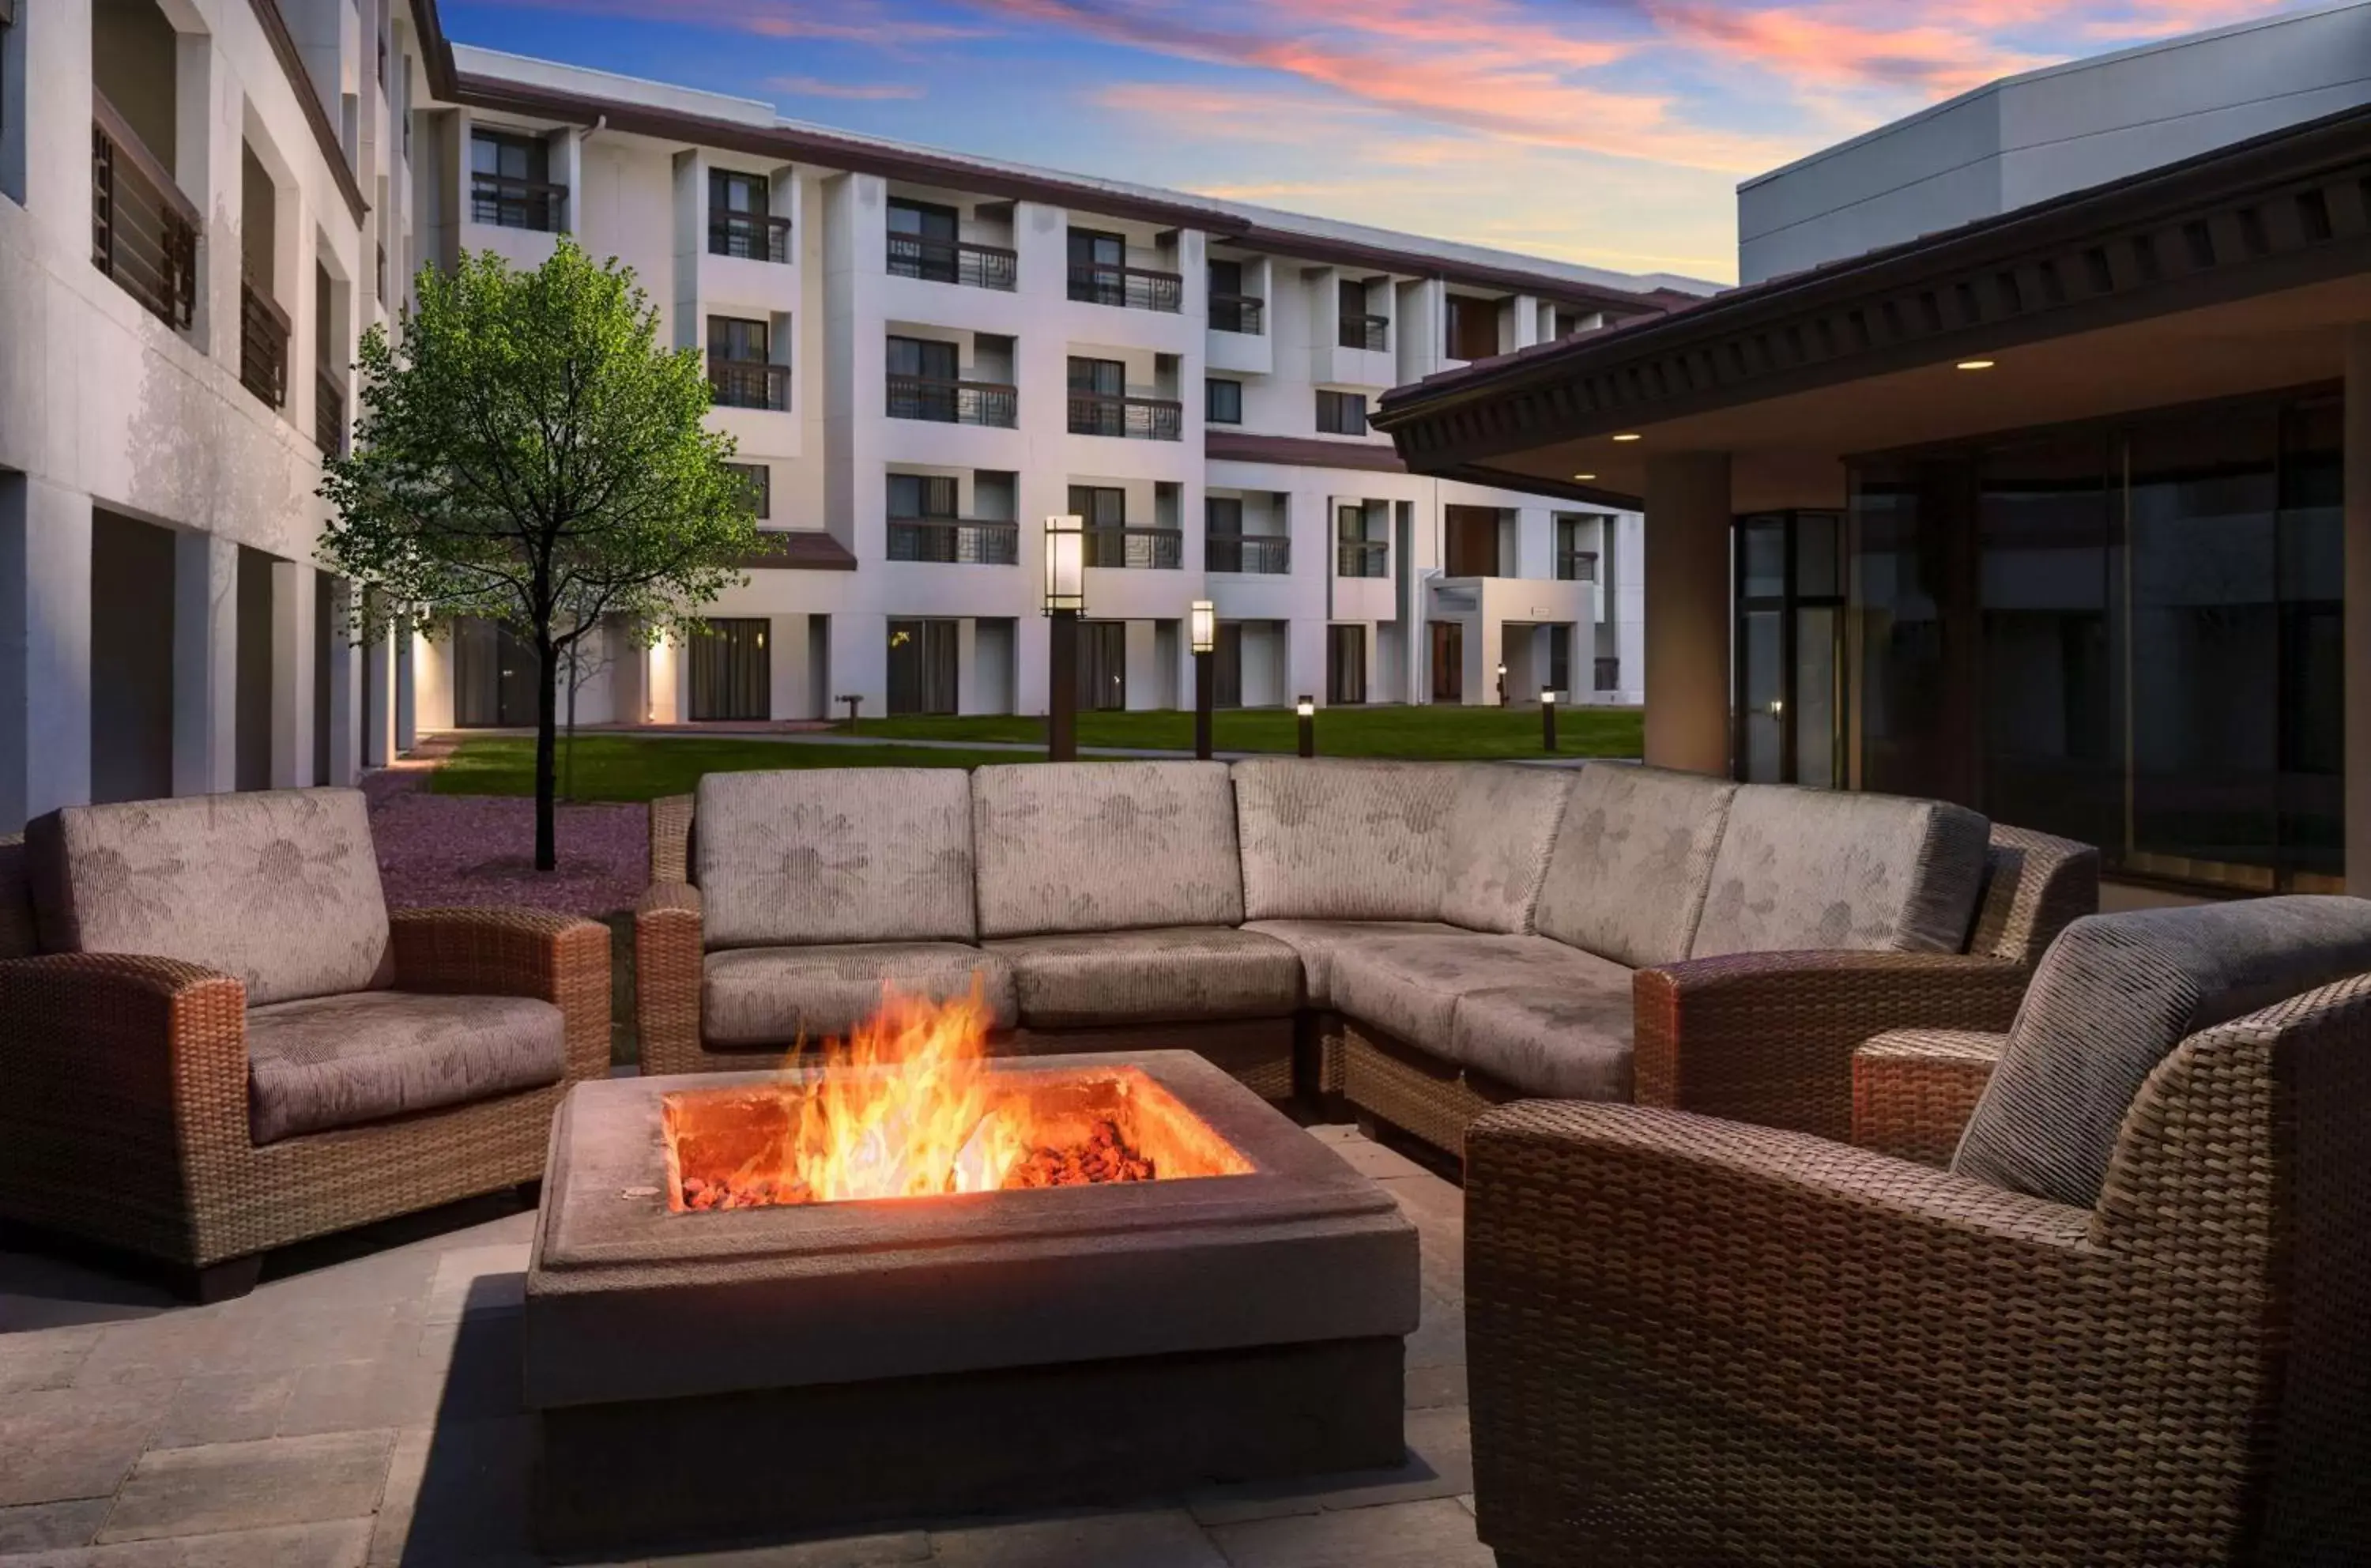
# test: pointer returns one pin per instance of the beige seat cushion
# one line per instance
(1106, 847)
(773, 997)
(279, 887)
(1318, 941)
(1567, 1042)
(1408, 986)
(834, 854)
(1495, 849)
(329, 1062)
(1633, 859)
(1178, 974)
(1803, 868)
(1343, 840)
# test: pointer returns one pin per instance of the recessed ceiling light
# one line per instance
(1975, 364)
(1584, 478)
(1628, 435)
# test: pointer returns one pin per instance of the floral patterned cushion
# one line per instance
(1337, 840)
(1160, 976)
(328, 1062)
(1627, 877)
(279, 887)
(834, 854)
(770, 999)
(1496, 850)
(1106, 847)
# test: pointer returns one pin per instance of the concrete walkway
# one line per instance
(1028, 748)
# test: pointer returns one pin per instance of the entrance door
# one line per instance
(1471, 546)
(1345, 664)
(1103, 664)
(730, 674)
(922, 666)
(1227, 666)
(1790, 610)
(1448, 661)
(493, 676)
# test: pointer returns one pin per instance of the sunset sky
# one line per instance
(1609, 132)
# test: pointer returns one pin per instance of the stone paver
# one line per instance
(363, 1407)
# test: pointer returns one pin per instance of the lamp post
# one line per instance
(1066, 599)
(1203, 624)
(1547, 717)
(1502, 682)
(1307, 710)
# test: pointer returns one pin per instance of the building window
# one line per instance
(741, 371)
(1472, 328)
(739, 220)
(1470, 540)
(757, 478)
(1345, 665)
(510, 181)
(732, 674)
(922, 665)
(1358, 329)
(1575, 561)
(1355, 555)
(1342, 413)
(1223, 401)
(1232, 310)
(923, 240)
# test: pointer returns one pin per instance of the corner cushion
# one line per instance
(1408, 988)
(327, 1061)
(1160, 976)
(774, 998)
(1568, 1042)
(1343, 840)
(1495, 850)
(1318, 941)
(1627, 875)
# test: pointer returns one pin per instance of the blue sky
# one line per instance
(1608, 131)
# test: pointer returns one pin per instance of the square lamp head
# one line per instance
(1306, 708)
(1066, 564)
(1203, 621)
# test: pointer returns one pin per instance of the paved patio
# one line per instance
(362, 1408)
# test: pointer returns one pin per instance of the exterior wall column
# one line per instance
(44, 648)
(345, 663)
(292, 675)
(206, 665)
(1687, 612)
(2357, 459)
(378, 701)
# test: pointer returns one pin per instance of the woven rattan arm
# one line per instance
(1693, 1341)
(561, 958)
(1913, 1091)
(666, 977)
(671, 838)
(1768, 1037)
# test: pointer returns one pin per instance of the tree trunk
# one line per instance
(547, 725)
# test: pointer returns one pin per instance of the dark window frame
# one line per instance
(1336, 412)
(1212, 398)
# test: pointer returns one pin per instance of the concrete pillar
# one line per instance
(1146, 686)
(44, 648)
(292, 675)
(967, 693)
(859, 662)
(345, 665)
(790, 682)
(378, 701)
(2357, 450)
(407, 692)
(1687, 612)
(206, 665)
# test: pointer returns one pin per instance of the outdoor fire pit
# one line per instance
(918, 1281)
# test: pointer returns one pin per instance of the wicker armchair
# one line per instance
(127, 1119)
(1697, 1342)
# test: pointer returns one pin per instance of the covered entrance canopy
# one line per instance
(2102, 500)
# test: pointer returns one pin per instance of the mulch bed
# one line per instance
(441, 851)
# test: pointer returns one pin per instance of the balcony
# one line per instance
(749, 236)
(749, 384)
(1371, 333)
(1134, 288)
(953, 261)
(143, 232)
(1255, 554)
(504, 202)
(960, 541)
(953, 402)
(1136, 549)
(1576, 566)
(1362, 558)
(1246, 314)
(262, 345)
(1132, 419)
(328, 413)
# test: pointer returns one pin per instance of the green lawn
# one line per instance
(1429, 732)
(628, 767)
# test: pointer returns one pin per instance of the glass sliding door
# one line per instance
(1103, 665)
(1790, 648)
(732, 677)
(922, 660)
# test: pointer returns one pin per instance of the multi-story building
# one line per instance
(922, 355)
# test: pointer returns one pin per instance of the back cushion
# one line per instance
(1343, 840)
(1501, 824)
(279, 887)
(1831, 869)
(1628, 878)
(2113, 997)
(1106, 847)
(834, 854)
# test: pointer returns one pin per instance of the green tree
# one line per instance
(527, 452)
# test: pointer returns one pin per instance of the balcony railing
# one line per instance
(953, 261)
(143, 232)
(1267, 555)
(749, 384)
(749, 236)
(1372, 333)
(1134, 419)
(953, 402)
(1576, 566)
(1139, 550)
(1608, 673)
(962, 541)
(328, 413)
(1134, 287)
(1238, 313)
(262, 345)
(1362, 558)
(505, 202)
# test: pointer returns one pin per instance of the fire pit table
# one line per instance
(714, 1351)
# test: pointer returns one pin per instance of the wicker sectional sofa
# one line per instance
(1424, 940)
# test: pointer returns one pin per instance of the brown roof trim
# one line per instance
(1308, 451)
(1476, 274)
(2274, 212)
(436, 49)
(797, 549)
(324, 135)
(1530, 484)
